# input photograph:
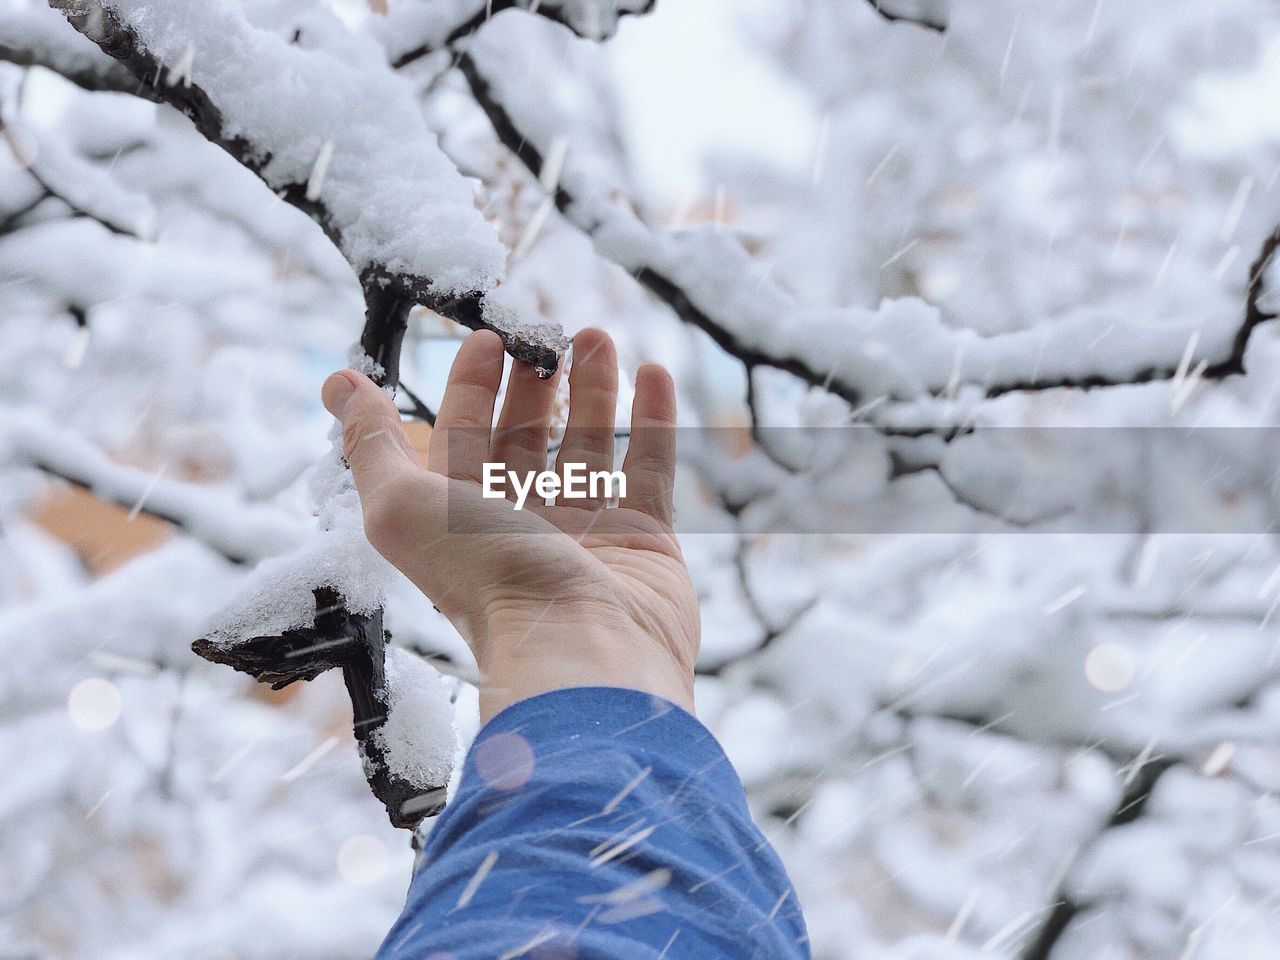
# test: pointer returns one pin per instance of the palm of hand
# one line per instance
(547, 596)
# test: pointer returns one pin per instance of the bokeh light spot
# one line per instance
(94, 704)
(505, 761)
(363, 860)
(1109, 667)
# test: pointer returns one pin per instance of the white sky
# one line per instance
(689, 81)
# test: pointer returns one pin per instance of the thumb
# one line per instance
(374, 443)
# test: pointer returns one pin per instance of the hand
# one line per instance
(546, 597)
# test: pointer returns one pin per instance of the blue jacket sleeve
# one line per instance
(597, 823)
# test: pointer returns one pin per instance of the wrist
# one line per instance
(515, 665)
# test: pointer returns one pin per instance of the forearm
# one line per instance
(603, 820)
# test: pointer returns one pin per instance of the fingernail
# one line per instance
(337, 390)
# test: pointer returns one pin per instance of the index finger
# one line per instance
(466, 411)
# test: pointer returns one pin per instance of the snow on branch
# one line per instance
(38, 37)
(902, 351)
(320, 607)
(240, 531)
(437, 26)
(336, 135)
(1140, 784)
(931, 14)
(402, 714)
(85, 188)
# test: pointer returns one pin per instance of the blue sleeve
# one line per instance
(597, 823)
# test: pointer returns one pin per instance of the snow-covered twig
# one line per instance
(357, 645)
(770, 630)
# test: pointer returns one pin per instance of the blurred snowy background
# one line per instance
(985, 743)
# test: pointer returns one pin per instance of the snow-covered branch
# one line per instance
(38, 37)
(401, 717)
(902, 351)
(1065, 907)
(931, 14)
(405, 220)
(84, 188)
(242, 532)
(438, 26)
(400, 212)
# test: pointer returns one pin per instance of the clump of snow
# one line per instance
(390, 192)
(419, 738)
(501, 313)
(280, 595)
(357, 359)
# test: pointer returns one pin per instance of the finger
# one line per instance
(374, 442)
(650, 465)
(520, 440)
(593, 397)
(460, 440)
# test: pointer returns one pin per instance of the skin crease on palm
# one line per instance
(547, 597)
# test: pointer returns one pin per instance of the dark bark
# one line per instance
(101, 76)
(896, 10)
(356, 644)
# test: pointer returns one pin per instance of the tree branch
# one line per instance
(1131, 805)
(585, 213)
(52, 193)
(550, 9)
(661, 286)
(38, 38)
(337, 637)
(242, 532)
(387, 293)
(930, 14)
(418, 410)
(357, 645)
